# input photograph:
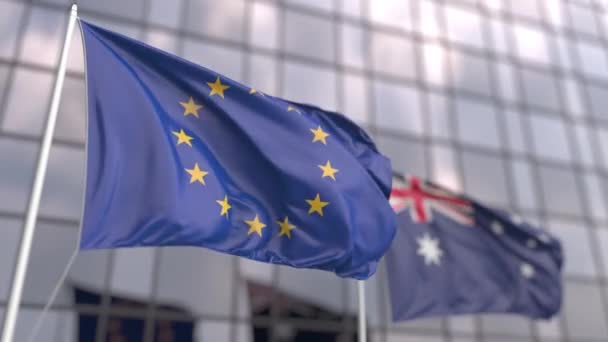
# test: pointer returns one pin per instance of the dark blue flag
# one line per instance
(180, 155)
(452, 255)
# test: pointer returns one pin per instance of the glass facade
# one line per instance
(505, 100)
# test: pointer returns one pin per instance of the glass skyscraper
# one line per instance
(505, 100)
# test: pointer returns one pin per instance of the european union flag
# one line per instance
(180, 155)
(452, 255)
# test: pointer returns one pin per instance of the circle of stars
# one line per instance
(197, 174)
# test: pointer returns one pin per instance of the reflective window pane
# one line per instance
(52, 247)
(393, 13)
(445, 171)
(463, 26)
(505, 325)
(531, 44)
(63, 187)
(28, 101)
(573, 97)
(131, 9)
(226, 61)
(132, 272)
(434, 60)
(560, 192)
(470, 73)
(540, 89)
(43, 37)
(602, 137)
(407, 156)
(17, 160)
(264, 25)
(194, 294)
(165, 13)
(354, 47)
(484, 178)
(309, 36)
(222, 19)
(392, 55)
(429, 21)
(550, 138)
(398, 107)
(477, 123)
(576, 240)
(555, 13)
(317, 4)
(583, 20)
(499, 38)
(320, 85)
(564, 46)
(583, 137)
(598, 98)
(506, 82)
(11, 14)
(593, 60)
(10, 230)
(581, 300)
(525, 191)
(354, 97)
(595, 197)
(163, 40)
(58, 324)
(440, 120)
(72, 111)
(515, 135)
(262, 73)
(530, 9)
(4, 72)
(352, 8)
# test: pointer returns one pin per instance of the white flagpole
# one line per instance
(10, 318)
(362, 331)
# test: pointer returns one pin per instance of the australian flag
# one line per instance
(180, 155)
(452, 255)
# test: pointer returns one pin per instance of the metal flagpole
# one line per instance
(362, 331)
(34, 202)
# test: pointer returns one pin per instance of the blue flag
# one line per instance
(452, 255)
(180, 155)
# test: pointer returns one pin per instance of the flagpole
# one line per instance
(362, 331)
(10, 318)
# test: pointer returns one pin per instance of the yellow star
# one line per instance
(182, 137)
(293, 109)
(217, 87)
(196, 174)
(225, 206)
(254, 91)
(328, 171)
(191, 107)
(316, 205)
(286, 227)
(255, 226)
(320, 135)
